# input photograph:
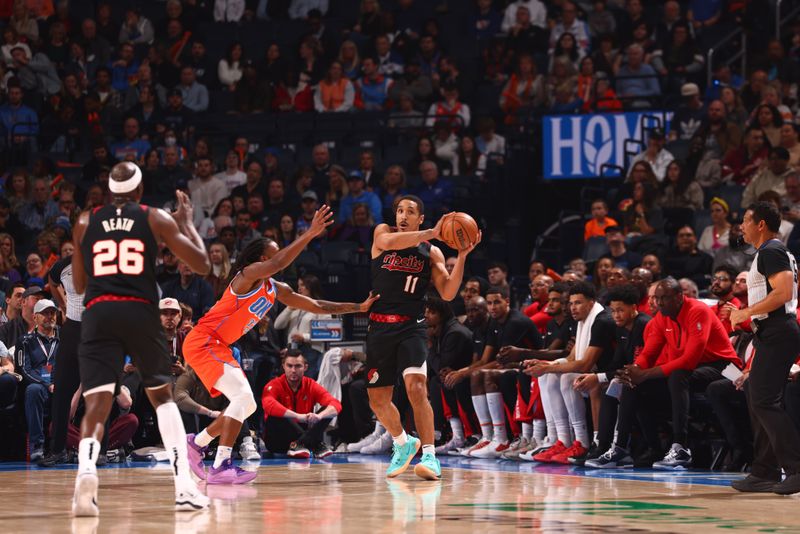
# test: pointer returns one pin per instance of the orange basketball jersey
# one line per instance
(235, 315)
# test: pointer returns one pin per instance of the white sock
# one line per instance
(527, 431)
(540, 429)
(223, 453)
(497, 409)
(203, 439)
(88, 450)
(563, 432)
(594, 436)
(379, 429)
(402, 439)
(174, 437)
(429, 449)
(576, 408)
(482, 411)
(551, 432)
(457, 427)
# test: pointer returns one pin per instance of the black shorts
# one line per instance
(112, 330)
(392, 348)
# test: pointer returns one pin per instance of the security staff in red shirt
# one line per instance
(292, 426)
(686, 349)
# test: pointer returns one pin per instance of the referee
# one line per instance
(772, 297)
(66, 376)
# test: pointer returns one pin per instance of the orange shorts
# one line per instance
(208, 356)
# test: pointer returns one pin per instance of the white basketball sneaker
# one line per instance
(382, 445)
(84, 500)
(366, 441)
(189, 499)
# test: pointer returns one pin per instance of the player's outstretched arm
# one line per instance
(385, 239)
(79, 277)
(261, 270)
(287, 295)
(448, 284)
(178, 232)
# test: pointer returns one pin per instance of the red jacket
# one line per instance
(536, 313)
(278, 397)
(697, 336)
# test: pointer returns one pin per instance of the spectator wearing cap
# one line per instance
(689, 115)
(137, 29)
(170, 311)
(618, 251)
(357, 193)
(35, 354)
(19, 122)
(655, 154)
(191, 290)
(195, 94)
(770, 178)
(435, 192)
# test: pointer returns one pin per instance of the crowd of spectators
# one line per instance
(139, 83)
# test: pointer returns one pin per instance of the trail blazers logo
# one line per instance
(372, 376)
(408, 264)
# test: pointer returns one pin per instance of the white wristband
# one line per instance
(602, 378)
(561, 360)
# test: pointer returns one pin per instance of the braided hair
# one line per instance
(250, 254)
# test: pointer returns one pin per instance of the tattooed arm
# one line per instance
(287, 295)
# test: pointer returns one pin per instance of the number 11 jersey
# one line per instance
(119, 253)
(401, 278)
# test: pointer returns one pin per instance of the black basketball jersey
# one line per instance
(119, 253)
(401, 278)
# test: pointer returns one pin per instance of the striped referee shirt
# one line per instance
(61, 274)
(771, 258)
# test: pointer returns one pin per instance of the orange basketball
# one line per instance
(459, 230)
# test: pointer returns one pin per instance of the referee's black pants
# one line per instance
(66, 379)
(775, 438)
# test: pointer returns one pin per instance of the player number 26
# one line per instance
(112, 258)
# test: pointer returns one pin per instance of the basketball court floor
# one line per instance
(349, 495)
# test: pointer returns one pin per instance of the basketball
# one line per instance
(459, 229)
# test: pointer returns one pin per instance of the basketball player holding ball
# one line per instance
(404, 263)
